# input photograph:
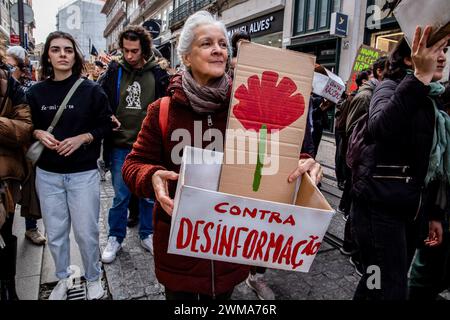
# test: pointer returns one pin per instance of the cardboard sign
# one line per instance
(412, 13)
(330, 87)
(268, 114)
(364, 60)
(212, 225)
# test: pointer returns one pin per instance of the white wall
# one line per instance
(356, 10)
(288, 22)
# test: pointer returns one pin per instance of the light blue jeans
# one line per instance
(71, 200)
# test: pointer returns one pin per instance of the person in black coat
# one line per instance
(393, 193)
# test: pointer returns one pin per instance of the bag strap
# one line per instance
(63, 105)
(164, 116)
(119, 78)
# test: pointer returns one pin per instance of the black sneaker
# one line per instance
(357, 265)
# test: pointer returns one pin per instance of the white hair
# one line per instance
(196, 20)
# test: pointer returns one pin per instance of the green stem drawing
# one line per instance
(261, 154)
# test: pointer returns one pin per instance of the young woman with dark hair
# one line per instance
(67, 179)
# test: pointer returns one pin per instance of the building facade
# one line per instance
(5, 23)
(154, 15)
(13, 25)
(82, 19)
(307, 29)
(116, 16)
(300, 25)
(263, 20)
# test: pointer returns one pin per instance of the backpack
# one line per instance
(358, 142)
(360, 158)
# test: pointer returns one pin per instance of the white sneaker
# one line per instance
(147, 243)
(59, 292)
(111, 250)
(95, 289)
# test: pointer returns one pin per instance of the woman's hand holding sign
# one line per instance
(160, 181)
(310, 166)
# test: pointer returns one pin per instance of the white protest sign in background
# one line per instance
(330, 87)
(412, 13)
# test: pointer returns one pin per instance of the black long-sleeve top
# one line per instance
(87, 111)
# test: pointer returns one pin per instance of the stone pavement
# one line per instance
(132, 276)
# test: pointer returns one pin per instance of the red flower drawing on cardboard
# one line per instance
(264, 106)
(265, 102)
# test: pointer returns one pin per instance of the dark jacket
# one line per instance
(109, 81)
(150, 154)
(400, 126)
(359, 105)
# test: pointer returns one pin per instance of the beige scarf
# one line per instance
(206, 99)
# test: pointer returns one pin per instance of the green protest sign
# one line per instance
(365, 57)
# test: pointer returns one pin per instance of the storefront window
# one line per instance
(272, 40)
(387, 42)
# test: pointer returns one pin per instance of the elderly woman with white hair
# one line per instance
(200, 93)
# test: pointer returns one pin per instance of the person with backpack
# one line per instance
(15, 134)
(341, 127)
(131, 85)
(200, 93)
(391, 164)
(70, 128)
(367, 82)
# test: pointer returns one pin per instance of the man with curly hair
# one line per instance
(132, 83)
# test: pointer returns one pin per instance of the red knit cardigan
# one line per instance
(150, 154)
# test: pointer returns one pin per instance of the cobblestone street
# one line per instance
(131, 275)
